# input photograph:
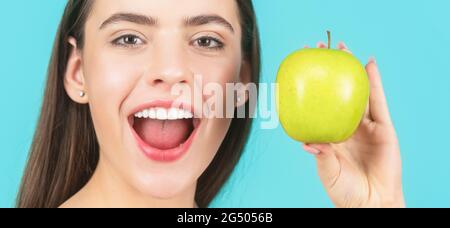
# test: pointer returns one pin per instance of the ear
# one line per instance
(244, 78)
(74, 81)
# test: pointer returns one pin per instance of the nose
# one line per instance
(168, 67)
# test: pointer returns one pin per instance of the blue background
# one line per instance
(411, 40)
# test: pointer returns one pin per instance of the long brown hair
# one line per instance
(65, 151)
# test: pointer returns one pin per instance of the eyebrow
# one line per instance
(150, 21)
(208, 19)
(129, 17)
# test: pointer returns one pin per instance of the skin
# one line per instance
(116, 79)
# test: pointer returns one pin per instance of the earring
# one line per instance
(82, 94)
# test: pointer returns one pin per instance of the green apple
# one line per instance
(322, 95)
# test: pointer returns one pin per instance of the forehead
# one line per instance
(166, 11)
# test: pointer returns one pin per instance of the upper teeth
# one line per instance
(164, 114)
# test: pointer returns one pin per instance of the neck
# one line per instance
(107, 188)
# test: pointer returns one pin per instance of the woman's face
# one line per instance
(134, 53)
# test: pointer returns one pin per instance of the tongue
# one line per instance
(164, 134)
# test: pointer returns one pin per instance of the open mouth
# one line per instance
(164, 134)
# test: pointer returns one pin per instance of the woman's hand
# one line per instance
(366, 170)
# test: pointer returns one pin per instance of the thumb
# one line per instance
(328, 164)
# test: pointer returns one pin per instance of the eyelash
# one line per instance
(219, 46)
(122, 42)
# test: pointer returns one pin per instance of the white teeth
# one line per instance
(164, 114)
(161, 114)
(188, 115)
(152, 114)
(172, 114)
(180, 114)
(145, 114)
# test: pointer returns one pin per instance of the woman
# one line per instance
(113, 134)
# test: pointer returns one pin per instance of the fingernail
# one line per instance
(311, 150)
(372, 60)
(321, 44)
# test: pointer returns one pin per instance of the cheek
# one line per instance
(107, 76)
(221, 70)
(215, 74)
(218, 71)
(219, 80)
(109, 82)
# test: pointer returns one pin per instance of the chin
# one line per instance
(164, 186)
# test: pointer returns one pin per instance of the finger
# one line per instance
(321, 45)
(379, 110)
(311, 150)
(341, 46)
(306, 47)
(367, 113)
(328, 165)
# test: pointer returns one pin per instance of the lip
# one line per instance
(155, 154)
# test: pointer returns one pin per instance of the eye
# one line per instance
(128, 41)
(209, 43)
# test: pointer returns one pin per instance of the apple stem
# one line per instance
(329, 39)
